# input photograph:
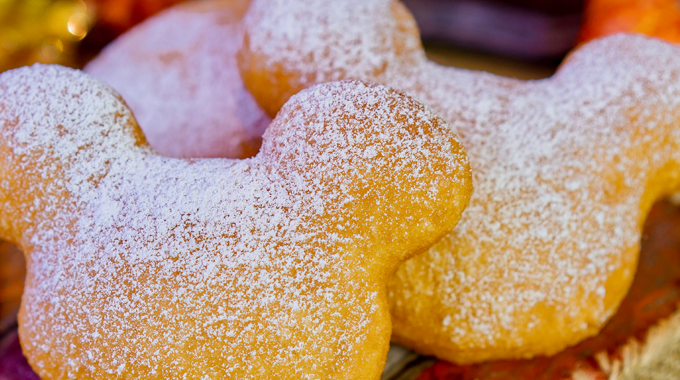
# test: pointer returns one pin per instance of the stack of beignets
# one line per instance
(142, 266)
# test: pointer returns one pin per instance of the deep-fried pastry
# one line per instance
(147, 267)
(178, 73)
(565, 170)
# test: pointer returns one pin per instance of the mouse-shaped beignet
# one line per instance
(565, 170)
(178, 72)
(274, 267)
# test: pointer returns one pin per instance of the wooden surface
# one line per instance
(12, 272)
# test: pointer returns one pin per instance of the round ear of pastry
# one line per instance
(382, 37)
(565, 170)
(178, 73)
(147, 267)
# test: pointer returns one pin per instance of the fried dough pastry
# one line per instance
(147, 267)
(565, 170)
(178, 73)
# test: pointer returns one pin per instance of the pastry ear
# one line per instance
(311, 37)
(373, 149)
(53, 119)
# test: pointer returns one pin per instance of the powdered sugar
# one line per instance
(142, 266)
(365, 48)
(178, 73)
(565, 170)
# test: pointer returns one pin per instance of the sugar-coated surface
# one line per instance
(178, 73)
(564, 171)
(145, 267)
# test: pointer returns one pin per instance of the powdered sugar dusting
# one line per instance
(178, 73)
(565, 170)
(365, 48)
(142, 266)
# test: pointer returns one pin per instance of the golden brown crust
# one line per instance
(147, 267)
(565, 170)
